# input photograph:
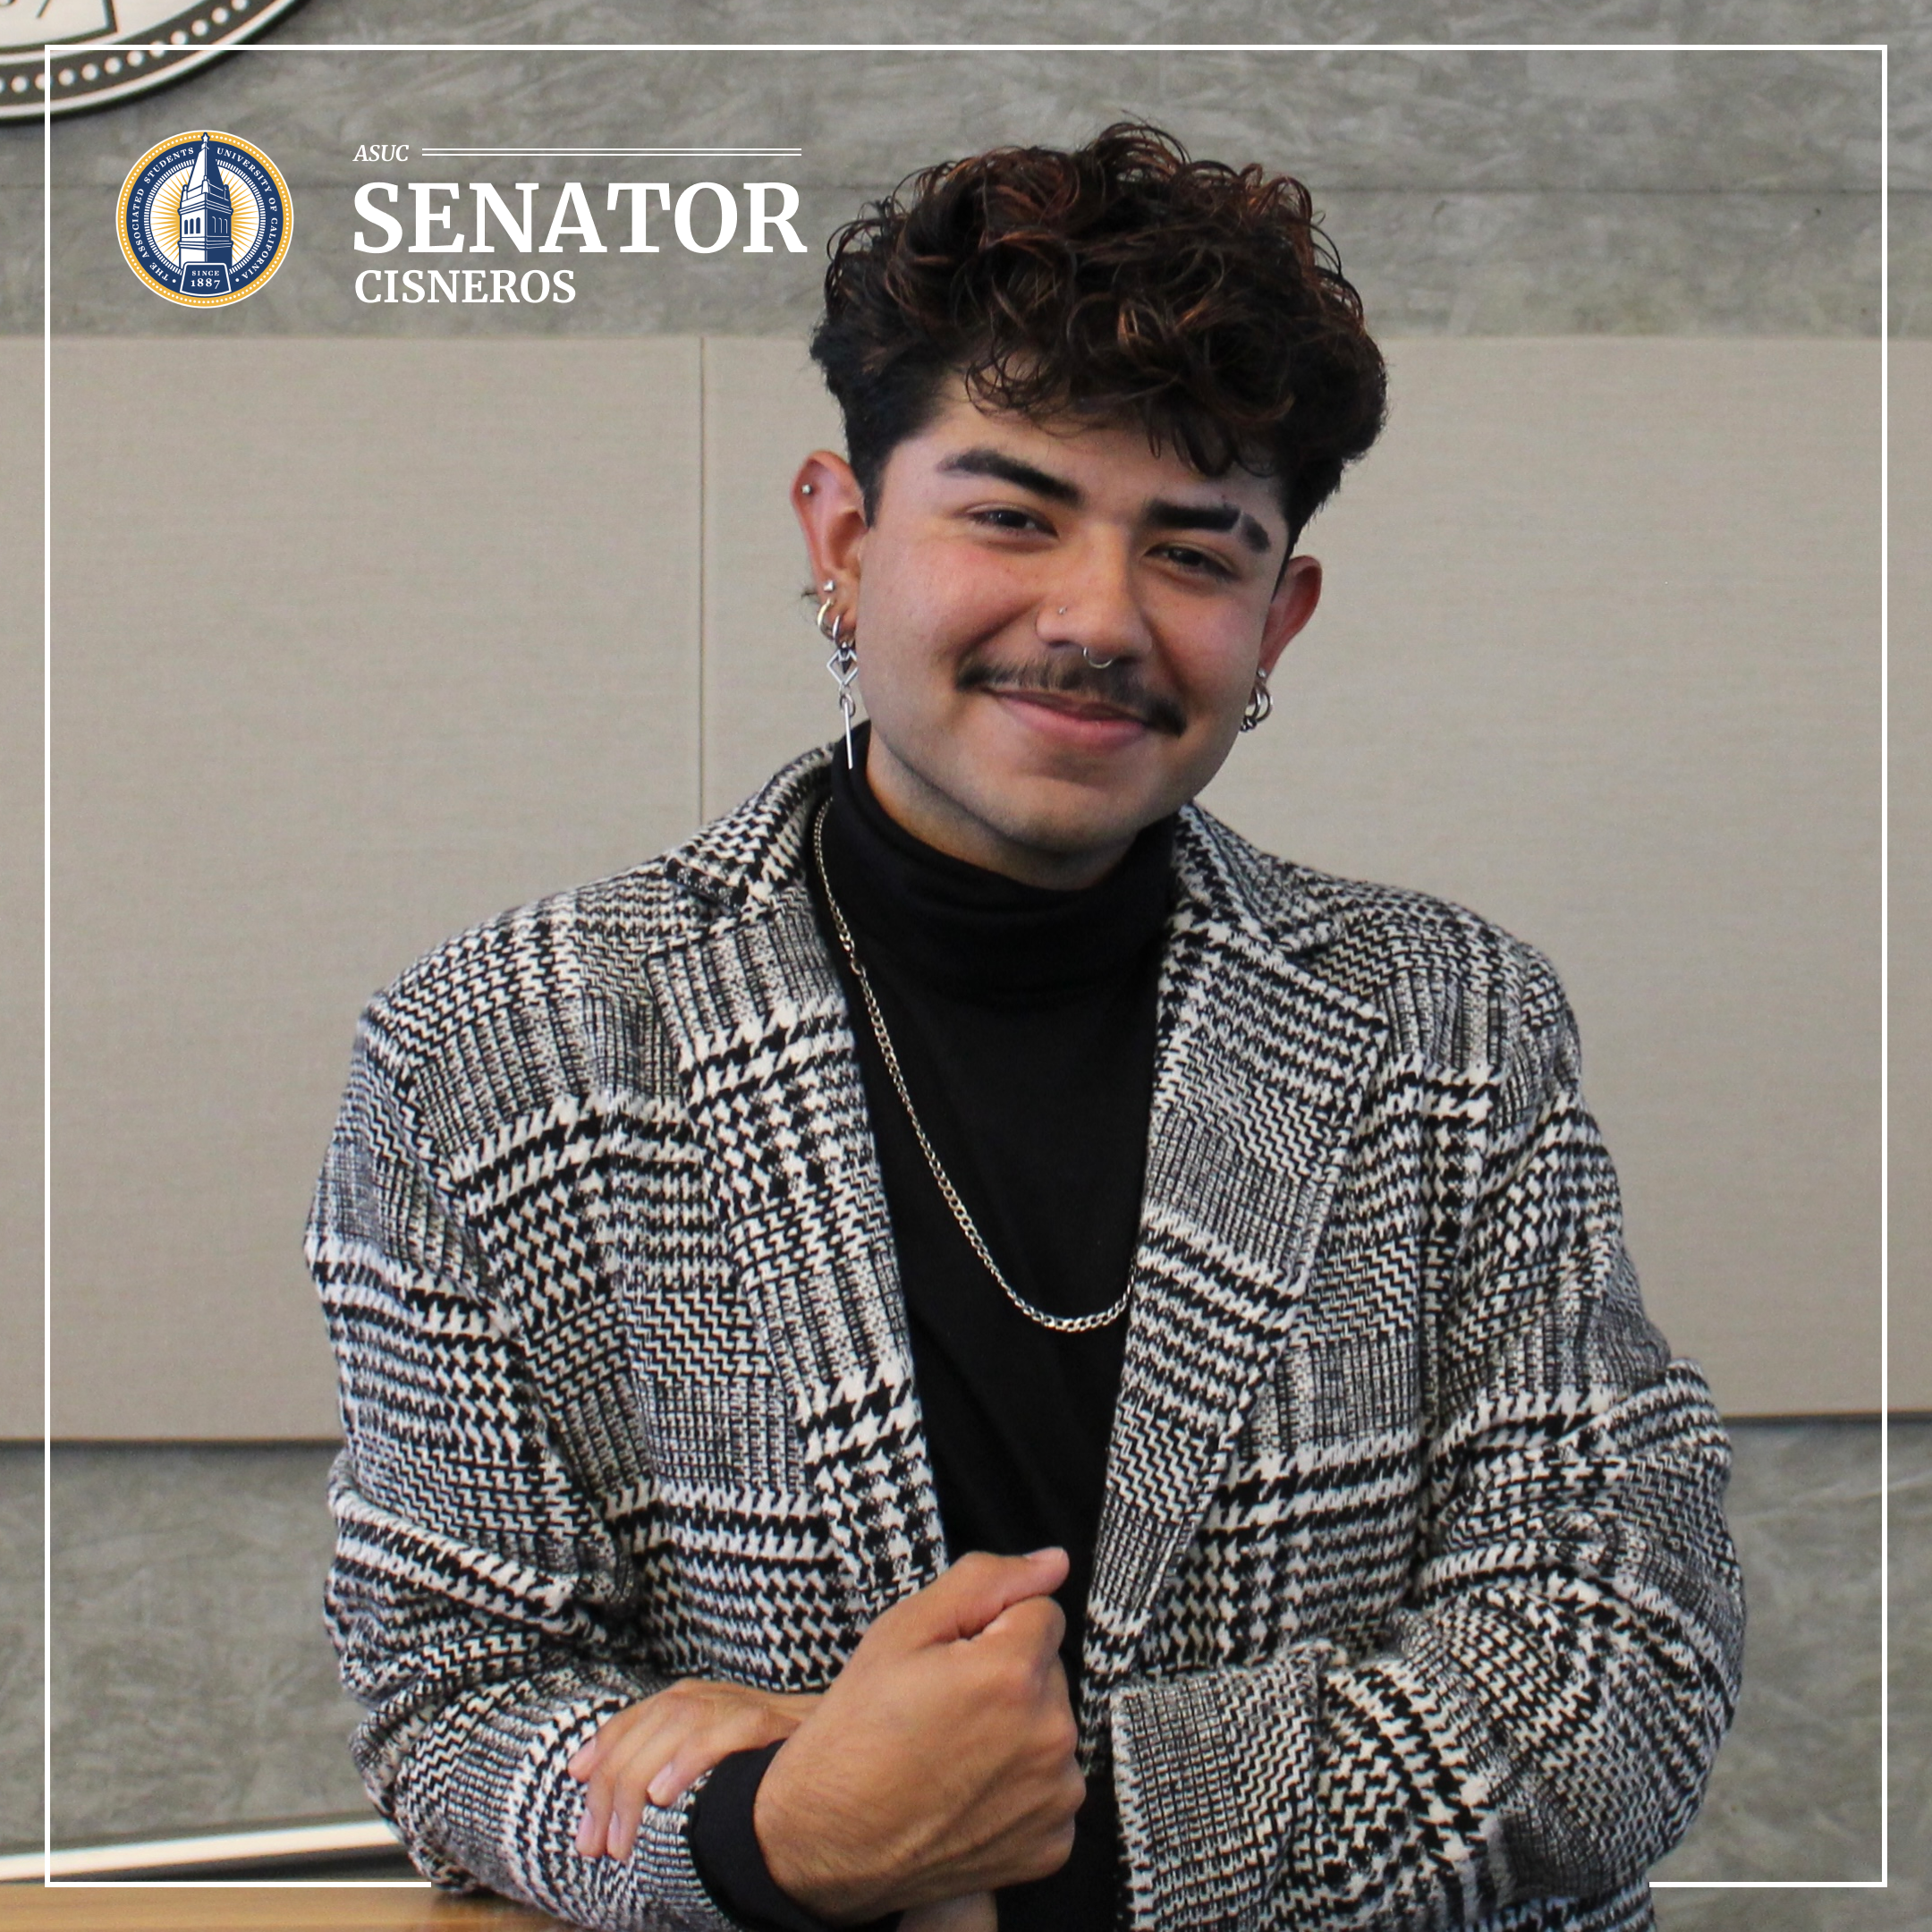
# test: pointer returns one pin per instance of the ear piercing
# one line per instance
(1260, 702)
(842, 664)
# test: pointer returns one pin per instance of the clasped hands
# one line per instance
(938, 1766)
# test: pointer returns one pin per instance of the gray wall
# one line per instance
(193, 1687)
(462, 653)
(1475, 193)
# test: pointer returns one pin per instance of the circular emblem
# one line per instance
(204, 219)
(111, 50)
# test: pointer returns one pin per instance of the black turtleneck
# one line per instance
(1024, 1023)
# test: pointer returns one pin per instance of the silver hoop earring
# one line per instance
(843, 664)
(1260, 702)
(1099, 664)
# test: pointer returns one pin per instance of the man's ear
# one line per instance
(830, 507)
(1291, 605)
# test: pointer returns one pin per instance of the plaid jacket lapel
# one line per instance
(772, 1082)
(1259, 1077)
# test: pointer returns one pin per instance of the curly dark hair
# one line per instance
(1119, 281)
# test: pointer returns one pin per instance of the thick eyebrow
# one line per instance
(1161, 514)
(1223, 516)
(990, 462)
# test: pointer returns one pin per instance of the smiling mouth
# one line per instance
(1078, 690)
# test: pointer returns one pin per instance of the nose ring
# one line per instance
(1098, 664)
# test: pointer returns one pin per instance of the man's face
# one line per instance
(1057, 630)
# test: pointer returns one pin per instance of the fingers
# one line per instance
(1036, 1624)
(630, 1755)
(595, 1766)
(653, 1752)
(643, 1768)
(585, 1759)
(972, 1593)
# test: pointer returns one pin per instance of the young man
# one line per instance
(966, 1336)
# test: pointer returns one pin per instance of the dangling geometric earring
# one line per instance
(842, 664)
(1260, 702)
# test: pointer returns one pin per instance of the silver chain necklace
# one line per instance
(1059, 1323)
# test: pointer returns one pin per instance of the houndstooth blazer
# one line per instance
(1413, 1604)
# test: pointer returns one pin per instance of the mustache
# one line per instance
(1118, 685)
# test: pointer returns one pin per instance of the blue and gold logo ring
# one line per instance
(204, 219)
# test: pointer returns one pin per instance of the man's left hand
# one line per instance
(655, 1750)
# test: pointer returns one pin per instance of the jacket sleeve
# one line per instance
(478, 1600)
(1540, 1718)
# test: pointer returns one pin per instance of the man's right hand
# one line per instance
(941, 1761)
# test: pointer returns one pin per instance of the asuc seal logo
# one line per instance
(204, 219)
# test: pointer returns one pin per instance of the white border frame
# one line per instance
(1882, 48)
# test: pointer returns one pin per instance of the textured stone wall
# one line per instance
(1524, 192)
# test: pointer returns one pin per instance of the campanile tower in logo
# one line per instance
(206, 227)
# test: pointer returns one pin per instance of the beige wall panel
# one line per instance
(1912, 875)
(356, 643)
(20, 886)
(1600, 657)
(767, 696)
